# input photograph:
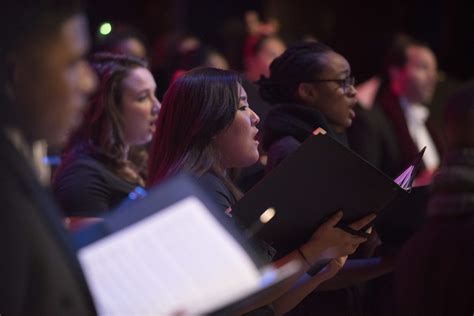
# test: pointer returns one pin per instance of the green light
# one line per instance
(105, 28)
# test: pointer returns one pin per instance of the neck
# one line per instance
(410, 100)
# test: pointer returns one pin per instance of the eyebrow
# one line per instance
(148, 89)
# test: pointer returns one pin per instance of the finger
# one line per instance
(340, 260)
(363, 221)
(351, 249)
(346, 237)
(333, 220)
(358, 240)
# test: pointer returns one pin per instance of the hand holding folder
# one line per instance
(330, 242)
(317, 180)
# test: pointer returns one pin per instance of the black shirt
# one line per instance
(224, 198)
(85, 187)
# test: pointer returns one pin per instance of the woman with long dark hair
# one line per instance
(97, 171)
(206, 127)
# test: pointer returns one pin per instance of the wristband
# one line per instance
(303, 256)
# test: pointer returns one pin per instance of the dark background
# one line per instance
(358, 30)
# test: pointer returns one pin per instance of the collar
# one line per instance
(416, 111)
(34, 153)
(296, 120)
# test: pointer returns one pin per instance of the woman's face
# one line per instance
(335, 102)
(139, 106)
(236, 144)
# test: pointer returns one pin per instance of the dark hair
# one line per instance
(110, 43)
(101, 132)
(299, 63)
(396, 55)
(198, 57)
(196, 107)
(459, 116)
(254, 43)
(25, 22)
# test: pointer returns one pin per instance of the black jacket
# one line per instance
(39, 271)
(287, 126)
(381, 135)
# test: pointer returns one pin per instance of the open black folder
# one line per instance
(172, 251)
(320, 178)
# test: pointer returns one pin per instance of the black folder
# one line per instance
(320, 178)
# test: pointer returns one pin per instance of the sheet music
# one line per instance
(180, 258)
(405, 178)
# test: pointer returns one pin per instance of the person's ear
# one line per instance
(307, 93)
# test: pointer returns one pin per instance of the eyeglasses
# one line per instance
(345, 83)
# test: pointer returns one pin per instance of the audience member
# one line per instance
(206, 127)
(435, 272)
(44, 84)
(259, 51)
(96, 173)
(311, 86)
(399, 125)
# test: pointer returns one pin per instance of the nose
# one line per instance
(254, 118)
(156, 107)
(352, 91)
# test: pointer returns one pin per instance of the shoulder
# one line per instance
(218, 191)
(85, 162)
(212, 182)
(279, 150)
(79, 172)
(86, 187)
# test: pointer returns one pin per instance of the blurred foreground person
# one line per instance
(435, 273)
(44, 84)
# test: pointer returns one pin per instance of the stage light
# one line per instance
(105, 28)
(267, 215)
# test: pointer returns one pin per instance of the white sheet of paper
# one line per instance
(403, 179)
(179, 259)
